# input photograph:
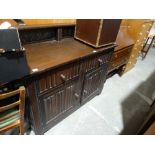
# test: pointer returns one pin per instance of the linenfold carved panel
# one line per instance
(56, 103)
(92, 83)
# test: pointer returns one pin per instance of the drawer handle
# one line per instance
(76, 96)
(63, 77)
(100, 61)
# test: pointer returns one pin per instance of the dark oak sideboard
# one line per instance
(69, 74)
(64, 73)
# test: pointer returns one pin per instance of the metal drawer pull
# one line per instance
(76, 95)
(63, 77)
(100, 61)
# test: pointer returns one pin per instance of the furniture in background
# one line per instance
(148, 127)
(139, 30)
(148, 44)
(12, 105)
(38, 21)
(122, 52)
(97, 32)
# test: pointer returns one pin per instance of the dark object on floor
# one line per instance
(149, 120)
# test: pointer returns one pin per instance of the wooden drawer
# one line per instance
(121, 53)
(57, 77)
(117, 63)
(96, 61)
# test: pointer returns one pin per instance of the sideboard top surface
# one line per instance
(45, 55)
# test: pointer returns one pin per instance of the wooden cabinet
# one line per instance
(63, 73)
(57, 92)
(57, 103)
(97, 32)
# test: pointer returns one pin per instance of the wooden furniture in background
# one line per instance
(97, 32)
(40, 21)
(122, 52)
(48, 21)
(12, 114)
(138, 29)
(148, 127)
(147, 45)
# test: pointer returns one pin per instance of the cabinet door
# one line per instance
(59, 103)
(93, 84)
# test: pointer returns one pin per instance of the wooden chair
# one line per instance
(12, 114)
(147, 46)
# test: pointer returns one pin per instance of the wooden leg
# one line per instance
(21, 127)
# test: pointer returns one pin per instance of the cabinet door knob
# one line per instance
(63, 77)
(85, 91)
(76, 95)
(100, 61)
